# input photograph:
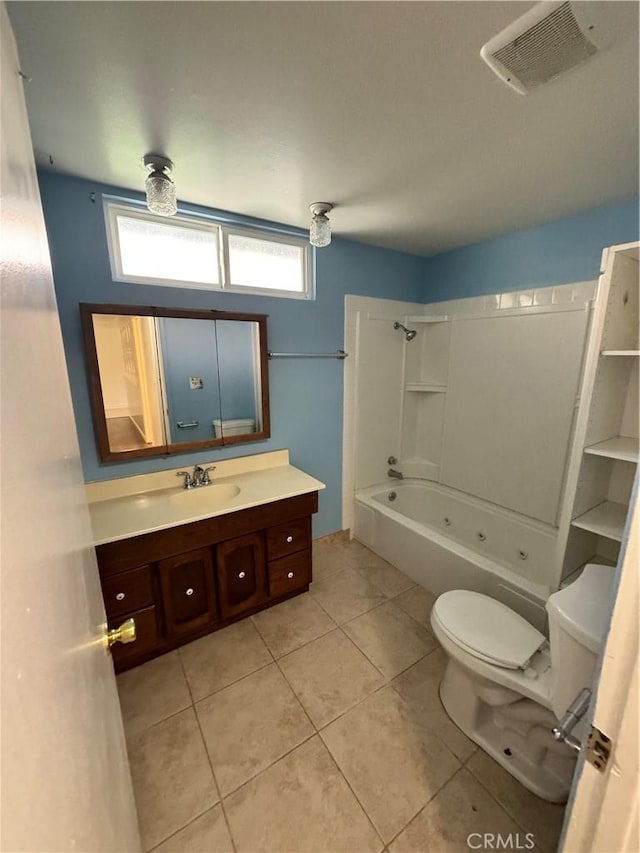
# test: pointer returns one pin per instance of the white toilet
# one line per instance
(506, 687)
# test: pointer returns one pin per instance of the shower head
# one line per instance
(409, 334)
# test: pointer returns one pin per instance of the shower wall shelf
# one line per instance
(433, 318)
(621, 352)
(621, 447)
(425, 387)
(607, 519)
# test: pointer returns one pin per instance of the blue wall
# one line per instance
(306, 396)
(559, 252)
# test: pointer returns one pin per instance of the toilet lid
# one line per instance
(487, 629)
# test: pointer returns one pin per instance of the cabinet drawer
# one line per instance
(127, 591)
(146, 634)
(288, 538)
(289, 573)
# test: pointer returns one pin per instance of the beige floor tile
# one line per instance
(386, 577)
(152, 692)
(393, 766)
(171, 775)
(418, 603)
(534, 815)
(346, 595)
(251, 724)
(219, 659)
(304, 805)
(329, 676)
(419, 687)
(207, 834)
(390, 638)
(461, 808)
(293, 623)
(327, 559)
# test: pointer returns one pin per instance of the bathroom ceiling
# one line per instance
(383, 108)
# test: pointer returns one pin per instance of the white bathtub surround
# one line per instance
(130, 506)
(480, 401)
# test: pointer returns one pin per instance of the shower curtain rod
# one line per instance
(339, 354)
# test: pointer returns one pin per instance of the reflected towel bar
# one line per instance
(190, 425)
(339, 354)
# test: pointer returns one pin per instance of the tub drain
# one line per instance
(392, 496)
(481, 537)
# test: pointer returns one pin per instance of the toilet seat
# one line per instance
(487, 629)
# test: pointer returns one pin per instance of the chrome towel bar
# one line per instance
(339, 354)
(189, 425)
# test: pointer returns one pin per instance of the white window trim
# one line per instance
(114, 207)
(111, 211)
(270, 237)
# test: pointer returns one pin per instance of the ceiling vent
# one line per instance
(552, 38)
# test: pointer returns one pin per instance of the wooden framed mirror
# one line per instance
(170, 380)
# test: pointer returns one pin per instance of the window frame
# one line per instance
(113, 207)
(267, 237)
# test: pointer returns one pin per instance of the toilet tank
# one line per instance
(239, 426)
(579, 617)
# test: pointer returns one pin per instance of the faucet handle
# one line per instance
(188, 482)
(206, 480)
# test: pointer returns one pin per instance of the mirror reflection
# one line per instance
(163, 383)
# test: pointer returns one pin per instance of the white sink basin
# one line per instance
(213, 496)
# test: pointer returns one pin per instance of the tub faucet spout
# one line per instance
(397, 475)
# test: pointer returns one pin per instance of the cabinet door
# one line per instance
(188, 591)
(241, 574)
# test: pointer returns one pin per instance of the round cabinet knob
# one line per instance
(289, 538)
(120, 596)
(289, 574)
(241, 575)
(190, 591)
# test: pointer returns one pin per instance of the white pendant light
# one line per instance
(320, 228)
(161, 191)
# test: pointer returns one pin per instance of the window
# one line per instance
(185, 251)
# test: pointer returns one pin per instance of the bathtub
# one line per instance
(444, 539)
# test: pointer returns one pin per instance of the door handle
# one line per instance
(125, 633)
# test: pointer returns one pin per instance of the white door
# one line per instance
(603, 813)
(65, 775)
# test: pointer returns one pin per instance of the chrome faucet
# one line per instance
(199, 477)
(395, 474)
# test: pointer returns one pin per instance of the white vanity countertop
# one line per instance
(131, 506)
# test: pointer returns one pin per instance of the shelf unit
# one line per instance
(606, 519)
(428, 318)
(621, 447)
(605, 453)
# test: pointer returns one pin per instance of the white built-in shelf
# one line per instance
(623, 352)
(622, 447)
(425, 387)
(607, 519)
(428, 318)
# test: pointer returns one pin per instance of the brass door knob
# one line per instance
(125, 633)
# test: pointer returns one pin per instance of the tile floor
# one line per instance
(316, 726)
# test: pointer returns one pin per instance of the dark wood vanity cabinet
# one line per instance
(187, 592)
(181, 583)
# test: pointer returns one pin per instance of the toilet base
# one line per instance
(517, 734)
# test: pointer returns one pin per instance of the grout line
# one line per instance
(204, 743)
(193, 820)
(503, 806)
(357, 799)
(260, 772)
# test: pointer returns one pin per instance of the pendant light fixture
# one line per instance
(161, 191)
(320, 228)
